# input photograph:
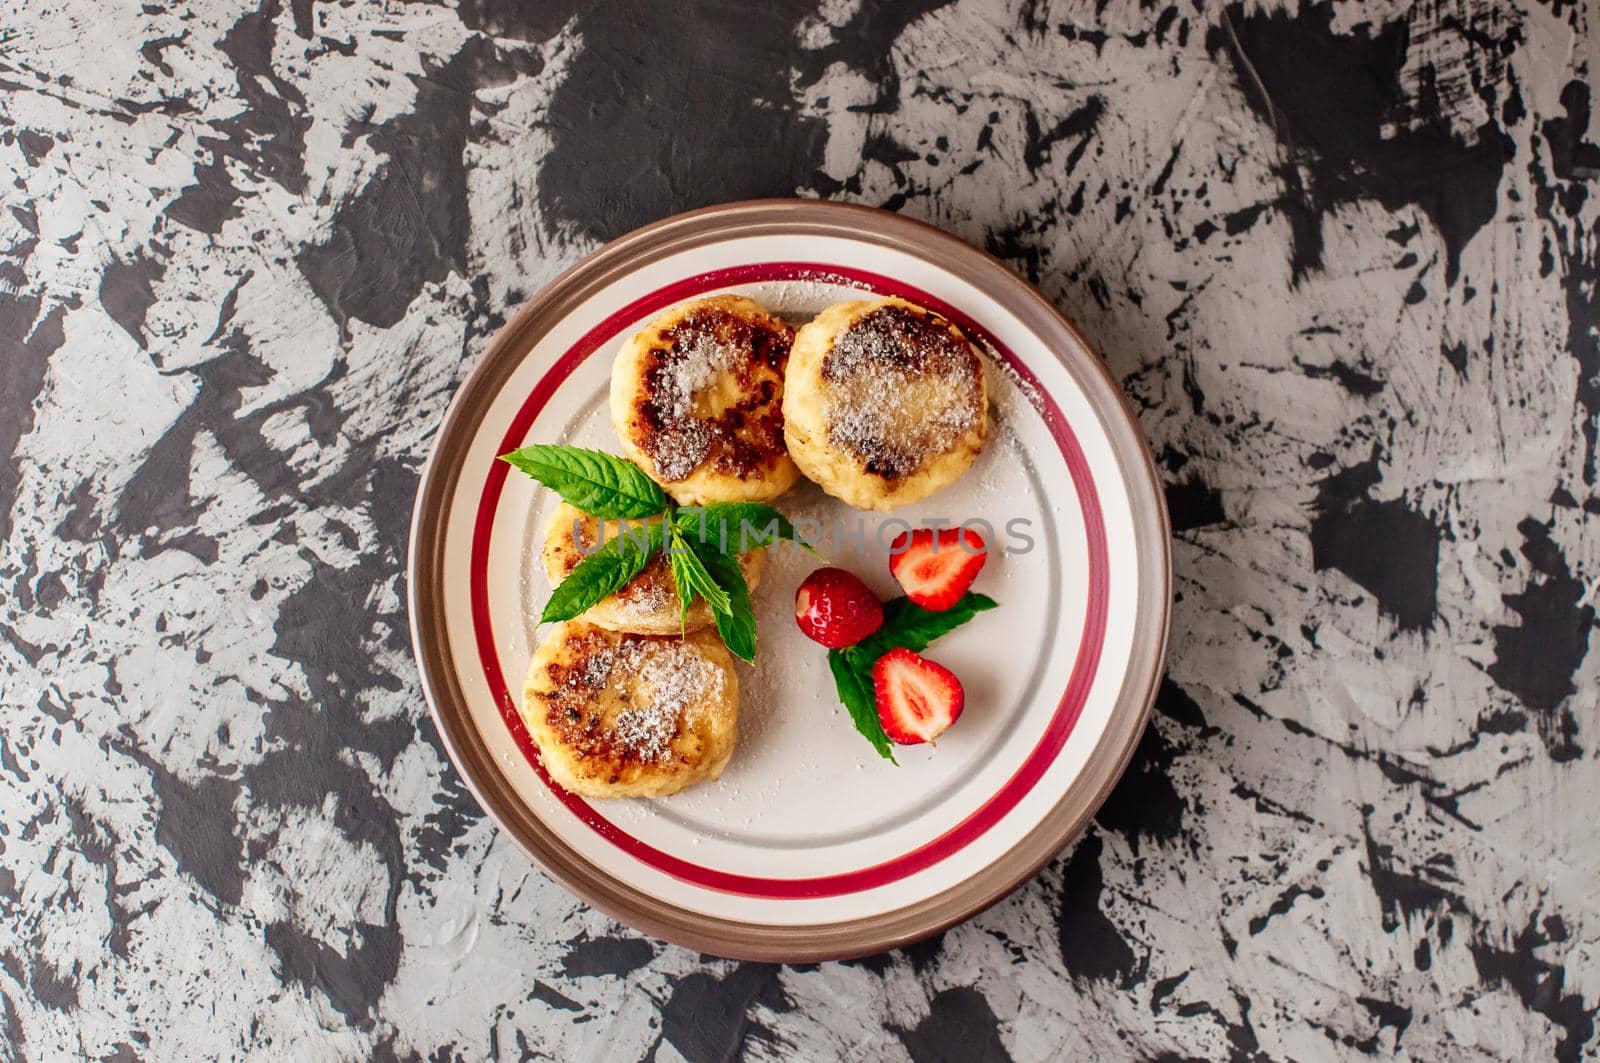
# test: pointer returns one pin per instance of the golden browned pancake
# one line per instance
(622, 715)
(697, 400)
(884, 402)
(648, 604)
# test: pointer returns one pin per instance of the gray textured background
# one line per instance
(1344, 261)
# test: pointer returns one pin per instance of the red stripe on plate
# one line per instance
(991, 811)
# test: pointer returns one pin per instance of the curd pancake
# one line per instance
(884, 402)
(622, 715)
(697, 399)
(648, 604)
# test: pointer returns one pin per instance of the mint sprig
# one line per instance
(905, 625)
(702, 545)
(601, 485)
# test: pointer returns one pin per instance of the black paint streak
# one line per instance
(1242, 1040)
(208, 203)
(28, 337)
(1077, 125)
(878, 963)
(15, 1037)
(960, 1027)
(197, 824)
(99, 846)
(1175, 703)
(924, 954)
(329, 628)
(1538, 983)
(620, 110)
(154, 51)
(1389, 1014)
(1145, 803)
(1281, 905)
(345, 978)
(1241, 221)
(1401, 894)
(1193, 503)
(1537, 659)
(52, 988)
(555, 998)
(455, 812)
(409, 225)
(267, 137)
(620, 113)
(863, 43)
(708, 1018)
(35, 145)
(1358, 383)
(158, 497)
(126, 292)
(1385, 546)
(1164, 988)
(514, 18)
(1571, 157)
(615, 957)
(1092, 949)
(1350, 130)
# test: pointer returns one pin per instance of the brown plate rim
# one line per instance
(706, 933)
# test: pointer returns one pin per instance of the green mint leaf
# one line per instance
(601, 485)
(605, 572)
(738, 625)
(736, 527)
(682, 578)
(691, 578)
(855, 693)
(906, 624)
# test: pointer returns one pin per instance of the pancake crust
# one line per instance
(697, 400)
(884, 402)
(648, 604)
(623, 715)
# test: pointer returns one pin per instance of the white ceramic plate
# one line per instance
(810, 846)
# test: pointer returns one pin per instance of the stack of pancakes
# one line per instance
(880, 402)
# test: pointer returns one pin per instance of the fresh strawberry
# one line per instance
(835, 608)
(917, 699)
(936, 568)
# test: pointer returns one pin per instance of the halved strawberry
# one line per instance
(917, 699)
(936, 568)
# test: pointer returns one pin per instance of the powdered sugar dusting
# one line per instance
(646, 733)
(662, 681)
(695, 365)
(1026, 388)
(712, 393)
(648, 595)
(905, 386)
(680, 451)
(799, 298)
(596, 670)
